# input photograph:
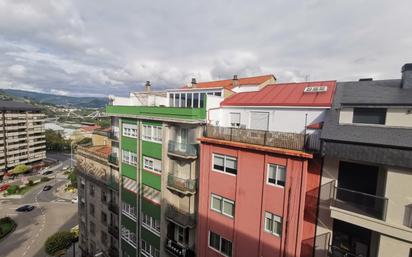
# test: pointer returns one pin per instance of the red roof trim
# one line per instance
(269, 149)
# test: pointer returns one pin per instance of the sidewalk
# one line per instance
(61, 193)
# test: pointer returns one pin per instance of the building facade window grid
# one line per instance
(222, 205)
(225, 163)
(276, 175)
(152, 133)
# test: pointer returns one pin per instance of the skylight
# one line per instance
(315, 89)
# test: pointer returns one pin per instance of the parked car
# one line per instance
(4, 187)
(25, 208)
(47, 187)
(75, 199)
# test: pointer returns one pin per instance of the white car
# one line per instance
(75, 199)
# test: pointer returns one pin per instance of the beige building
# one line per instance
(98, 185)
(365, 206)
(22, 134)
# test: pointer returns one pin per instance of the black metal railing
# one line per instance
(335, 251)
(181, 217)
(177, 250)
(184, 185)
(362, 203)
(182, 149)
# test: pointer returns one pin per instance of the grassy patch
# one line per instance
(27, 188)
(6, 226)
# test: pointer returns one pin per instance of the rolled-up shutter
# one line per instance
(259, 120)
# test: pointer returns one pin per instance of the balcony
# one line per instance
(181, 185)
(361, 203)
(113, 207)
(114, 230)
(335, 251)
(113, 159)
(183, 150)
(293, 141)
(185, 219)
(178, 250)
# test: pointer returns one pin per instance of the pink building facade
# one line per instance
(259, 199)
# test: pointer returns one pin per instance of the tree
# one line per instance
(73, 179)
(57, 242)
(20, 169)
(56, 142)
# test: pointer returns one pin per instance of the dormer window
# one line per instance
(369, 115)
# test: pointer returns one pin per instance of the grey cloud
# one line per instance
(80, 48)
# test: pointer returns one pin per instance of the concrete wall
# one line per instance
(396, 117)
(280, 119)
(392, 247)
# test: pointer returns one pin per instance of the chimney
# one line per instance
(407, 76)
(235, 81)
(193, 83)
(147, 87)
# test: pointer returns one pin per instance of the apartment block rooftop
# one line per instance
(16, 106)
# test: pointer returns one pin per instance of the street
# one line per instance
(51, 214)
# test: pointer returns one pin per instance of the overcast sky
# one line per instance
(112, 47)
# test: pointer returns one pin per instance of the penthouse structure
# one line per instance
(366, 196)
(155, 146)
(260, 170)
(22, 134)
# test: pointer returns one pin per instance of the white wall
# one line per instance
(280, 119)
(245, 88)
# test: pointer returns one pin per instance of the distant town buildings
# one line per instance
(22, 138)
(250, 167)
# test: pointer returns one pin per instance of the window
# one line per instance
(129, 157)
(151, 194)
(91, 209)
(129, 210)
(195, 100)
(177, 100)
(129, 130)
(152, 133)
(189, 100)
(220, 244)
(235, 119)
(152, 164)
(222, 205)
(103, 238)
(150, 223)
(276, 175)
(273, 224)
(202, 100)
(104, 196)
(103, 217)
(171, 99)
(92, 228)
(369, 115)
(129, 236)
(225, 163)
(259, 120)
(183, 100)
(91, 190)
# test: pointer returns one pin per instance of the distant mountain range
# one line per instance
(58, 100)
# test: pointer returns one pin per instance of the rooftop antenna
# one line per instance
(307, 77)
